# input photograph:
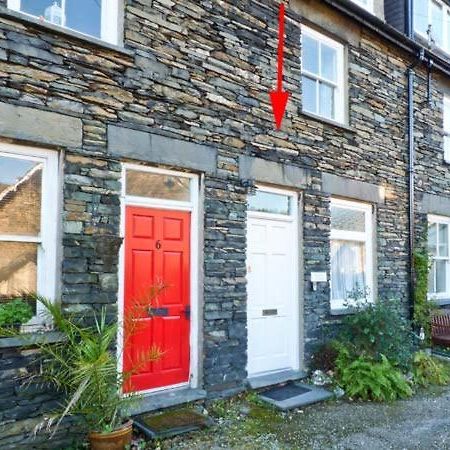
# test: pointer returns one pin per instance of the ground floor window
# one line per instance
(28, 217)
(351, 252)
(439, 274)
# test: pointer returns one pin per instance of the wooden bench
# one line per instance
(440, 328)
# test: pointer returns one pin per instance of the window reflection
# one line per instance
(20, 196)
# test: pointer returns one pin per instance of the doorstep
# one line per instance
(273, 378)
(295, 395)
(166, 399)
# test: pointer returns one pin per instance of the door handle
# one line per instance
(158, 312)
(187, 312)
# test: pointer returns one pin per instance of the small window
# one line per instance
(97, 18)
(438, 247)
(366, 4)
(446, 114)
(158, 185)
(432, 20)
(269, 202)
(351, 252)
(28, 195)
(322, 75)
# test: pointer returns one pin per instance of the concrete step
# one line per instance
(165, 399)
(273, 378)
(285, 397)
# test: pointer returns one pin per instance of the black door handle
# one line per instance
(158, 312)
(187, 312)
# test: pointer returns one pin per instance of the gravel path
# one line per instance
(419, 423)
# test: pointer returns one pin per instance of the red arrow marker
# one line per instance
(279, 98)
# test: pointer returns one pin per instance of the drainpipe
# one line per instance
(411, 174)
(411, 161)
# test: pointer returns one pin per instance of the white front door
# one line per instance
(272, 276)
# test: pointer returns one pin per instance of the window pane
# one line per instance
(309, 87)
(328, 63)
(84, 16)
(447, 148)
(443, 240)
(80, 15)
(421, 16)
(269, 202)
(441, 276)
(20, 196)
(310, 52)
(431, 279)
(326, 98)
(436, 23)
(18, 268)
(157, 185)
(348, 268)
(432, 239)
(347, 219)
(446, 110)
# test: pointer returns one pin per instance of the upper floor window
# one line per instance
(28, 218)
(438, 247)
(322, 75)
(351, 252)
(432, 20)
(97, 18)
(366, 4)
(446, 113)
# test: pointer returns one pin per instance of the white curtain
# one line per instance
(347, 268)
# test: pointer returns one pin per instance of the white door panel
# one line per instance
(272, 303)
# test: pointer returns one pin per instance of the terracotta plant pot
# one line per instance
(116, 440)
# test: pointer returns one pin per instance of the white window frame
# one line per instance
(339, 85)
(367, 237)
(445, 25)
(365, 4)
(444, 295)
(446, 126)
(109, 19)
(47, 239)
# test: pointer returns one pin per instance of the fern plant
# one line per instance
(367, 379)
(428, 371)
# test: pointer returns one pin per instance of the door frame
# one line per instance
(293, 218)
(193, 207)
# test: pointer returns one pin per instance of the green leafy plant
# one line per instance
(367, 379)
(84, 368)
(429, 371)
(423, 307)
(15, 313)
(376, 329)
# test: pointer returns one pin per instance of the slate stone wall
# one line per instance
(201, 71)
(24, 405)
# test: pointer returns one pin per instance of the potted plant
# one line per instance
(13, 314)
(84, 369)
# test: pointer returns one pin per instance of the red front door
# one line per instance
(157, 251)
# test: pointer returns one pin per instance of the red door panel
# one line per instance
(157, 249)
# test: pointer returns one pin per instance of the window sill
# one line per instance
(342, 311)
(325, 121)
(11, 14)
(441, 301)
(31, 339)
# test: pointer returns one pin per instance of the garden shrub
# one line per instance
(367, 379)
(428, 371)
(377, 329)
(324, 358)
(423, 307)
